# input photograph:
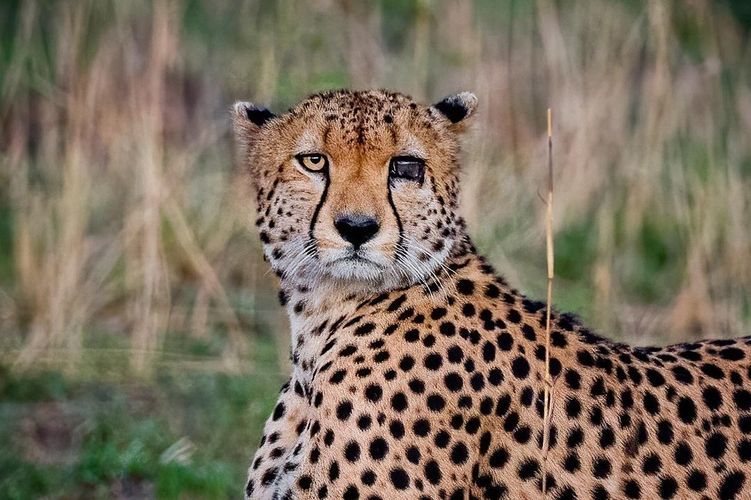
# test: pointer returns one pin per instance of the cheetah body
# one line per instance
(432, 387)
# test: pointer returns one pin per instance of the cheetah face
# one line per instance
(355, 188)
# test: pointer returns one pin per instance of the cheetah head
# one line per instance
(355, 188)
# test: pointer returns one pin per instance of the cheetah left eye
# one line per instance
(407, 167)
(312, 162)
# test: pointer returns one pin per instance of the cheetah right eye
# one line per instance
(313, 162)
(407, 167)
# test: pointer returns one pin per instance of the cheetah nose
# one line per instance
(356, 228)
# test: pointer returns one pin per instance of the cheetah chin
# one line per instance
(417, 371)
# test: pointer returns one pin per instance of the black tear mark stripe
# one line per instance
(399, 241)
(396, 215)
(318, 209)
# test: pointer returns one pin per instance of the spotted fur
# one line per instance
(417, 371)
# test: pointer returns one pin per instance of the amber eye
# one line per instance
(407, 167)
(313, 162)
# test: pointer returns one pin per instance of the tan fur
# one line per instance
(420, 376)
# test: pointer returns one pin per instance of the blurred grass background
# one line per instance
(141, 346)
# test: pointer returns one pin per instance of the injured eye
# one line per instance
(313, 162)
(407, 167)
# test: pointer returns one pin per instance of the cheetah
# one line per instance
(417, 371)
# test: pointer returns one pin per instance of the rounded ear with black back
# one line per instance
(457, 109)
(247, 120)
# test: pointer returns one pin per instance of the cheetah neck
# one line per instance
(327, 302)
(315, 313)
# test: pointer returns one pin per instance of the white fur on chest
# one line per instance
(310, 329)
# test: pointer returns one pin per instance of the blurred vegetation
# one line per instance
(182, 434)
(141, 344)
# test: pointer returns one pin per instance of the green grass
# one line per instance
(179, 434)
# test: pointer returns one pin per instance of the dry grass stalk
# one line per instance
(548, 383)
(237, 345)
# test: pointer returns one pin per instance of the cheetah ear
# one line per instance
(457, 109)
(247, 118)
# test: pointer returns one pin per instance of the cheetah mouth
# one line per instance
(355, 267)
(357, 259)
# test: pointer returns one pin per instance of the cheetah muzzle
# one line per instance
(417, 371)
